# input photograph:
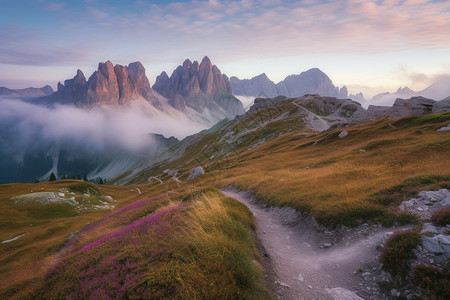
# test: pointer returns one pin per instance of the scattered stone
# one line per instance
(153, 178)
(282, 284)
(427, 203)
(445, 128)
(362, 151)
(339, 293)
(300, 277)
(325, 245)
(343, 134)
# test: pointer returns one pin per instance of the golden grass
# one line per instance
(24, 262)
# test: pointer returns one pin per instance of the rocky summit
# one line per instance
(198, 86)
(109, 85)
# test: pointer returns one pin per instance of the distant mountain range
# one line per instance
(313, 81)
(439, 90)
(31, 91)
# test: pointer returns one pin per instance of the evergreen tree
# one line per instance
(36, 181)
(85, 178)
(52, 177)
(79, 177)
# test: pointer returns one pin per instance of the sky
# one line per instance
(370, 46)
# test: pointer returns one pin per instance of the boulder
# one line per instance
(196, 172)
(343, 134)
(430, 228)
(431, 244)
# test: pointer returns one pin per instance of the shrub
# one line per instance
(398, 250)
(434, 282)
(441, 217)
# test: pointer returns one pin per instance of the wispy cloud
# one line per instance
(55, 6)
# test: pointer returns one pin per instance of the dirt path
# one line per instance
(304, 270)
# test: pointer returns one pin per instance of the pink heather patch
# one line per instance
(140, 227)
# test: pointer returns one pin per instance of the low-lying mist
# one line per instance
(34, 137)
(126, 128)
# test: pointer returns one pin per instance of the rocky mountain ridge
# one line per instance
(198, 86)
(109, 85)
(313, 81)
(31, 91)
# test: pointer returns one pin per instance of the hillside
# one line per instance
(171, 233)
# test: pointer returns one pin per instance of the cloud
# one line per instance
(25, 46)
(230, 30)
(125, 128)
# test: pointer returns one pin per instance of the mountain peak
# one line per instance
(110, 85)
(198, 87)
(206, 61)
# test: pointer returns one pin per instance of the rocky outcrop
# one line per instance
(415, 106)
(109, 85)
(29, 92)
(313, 81)
(377, 112)
(198, 86)
(440, 106)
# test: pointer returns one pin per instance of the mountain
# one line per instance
(438, 90)
(31, 91)
(256, 86)
(359, 97)
(109, 85)
(199, 87)
(313, 81)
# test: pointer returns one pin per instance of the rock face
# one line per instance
(313, 81)
(440, 106)
(109, 85)
(31, 92)
(198, 86)
(415, 106)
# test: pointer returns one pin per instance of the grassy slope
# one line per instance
(192, 246)
(330, 177)
(319, 173)
(46, 227)
(322, 173)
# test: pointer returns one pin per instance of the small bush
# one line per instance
(434, 282)
(398, 250)
(441, 217)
